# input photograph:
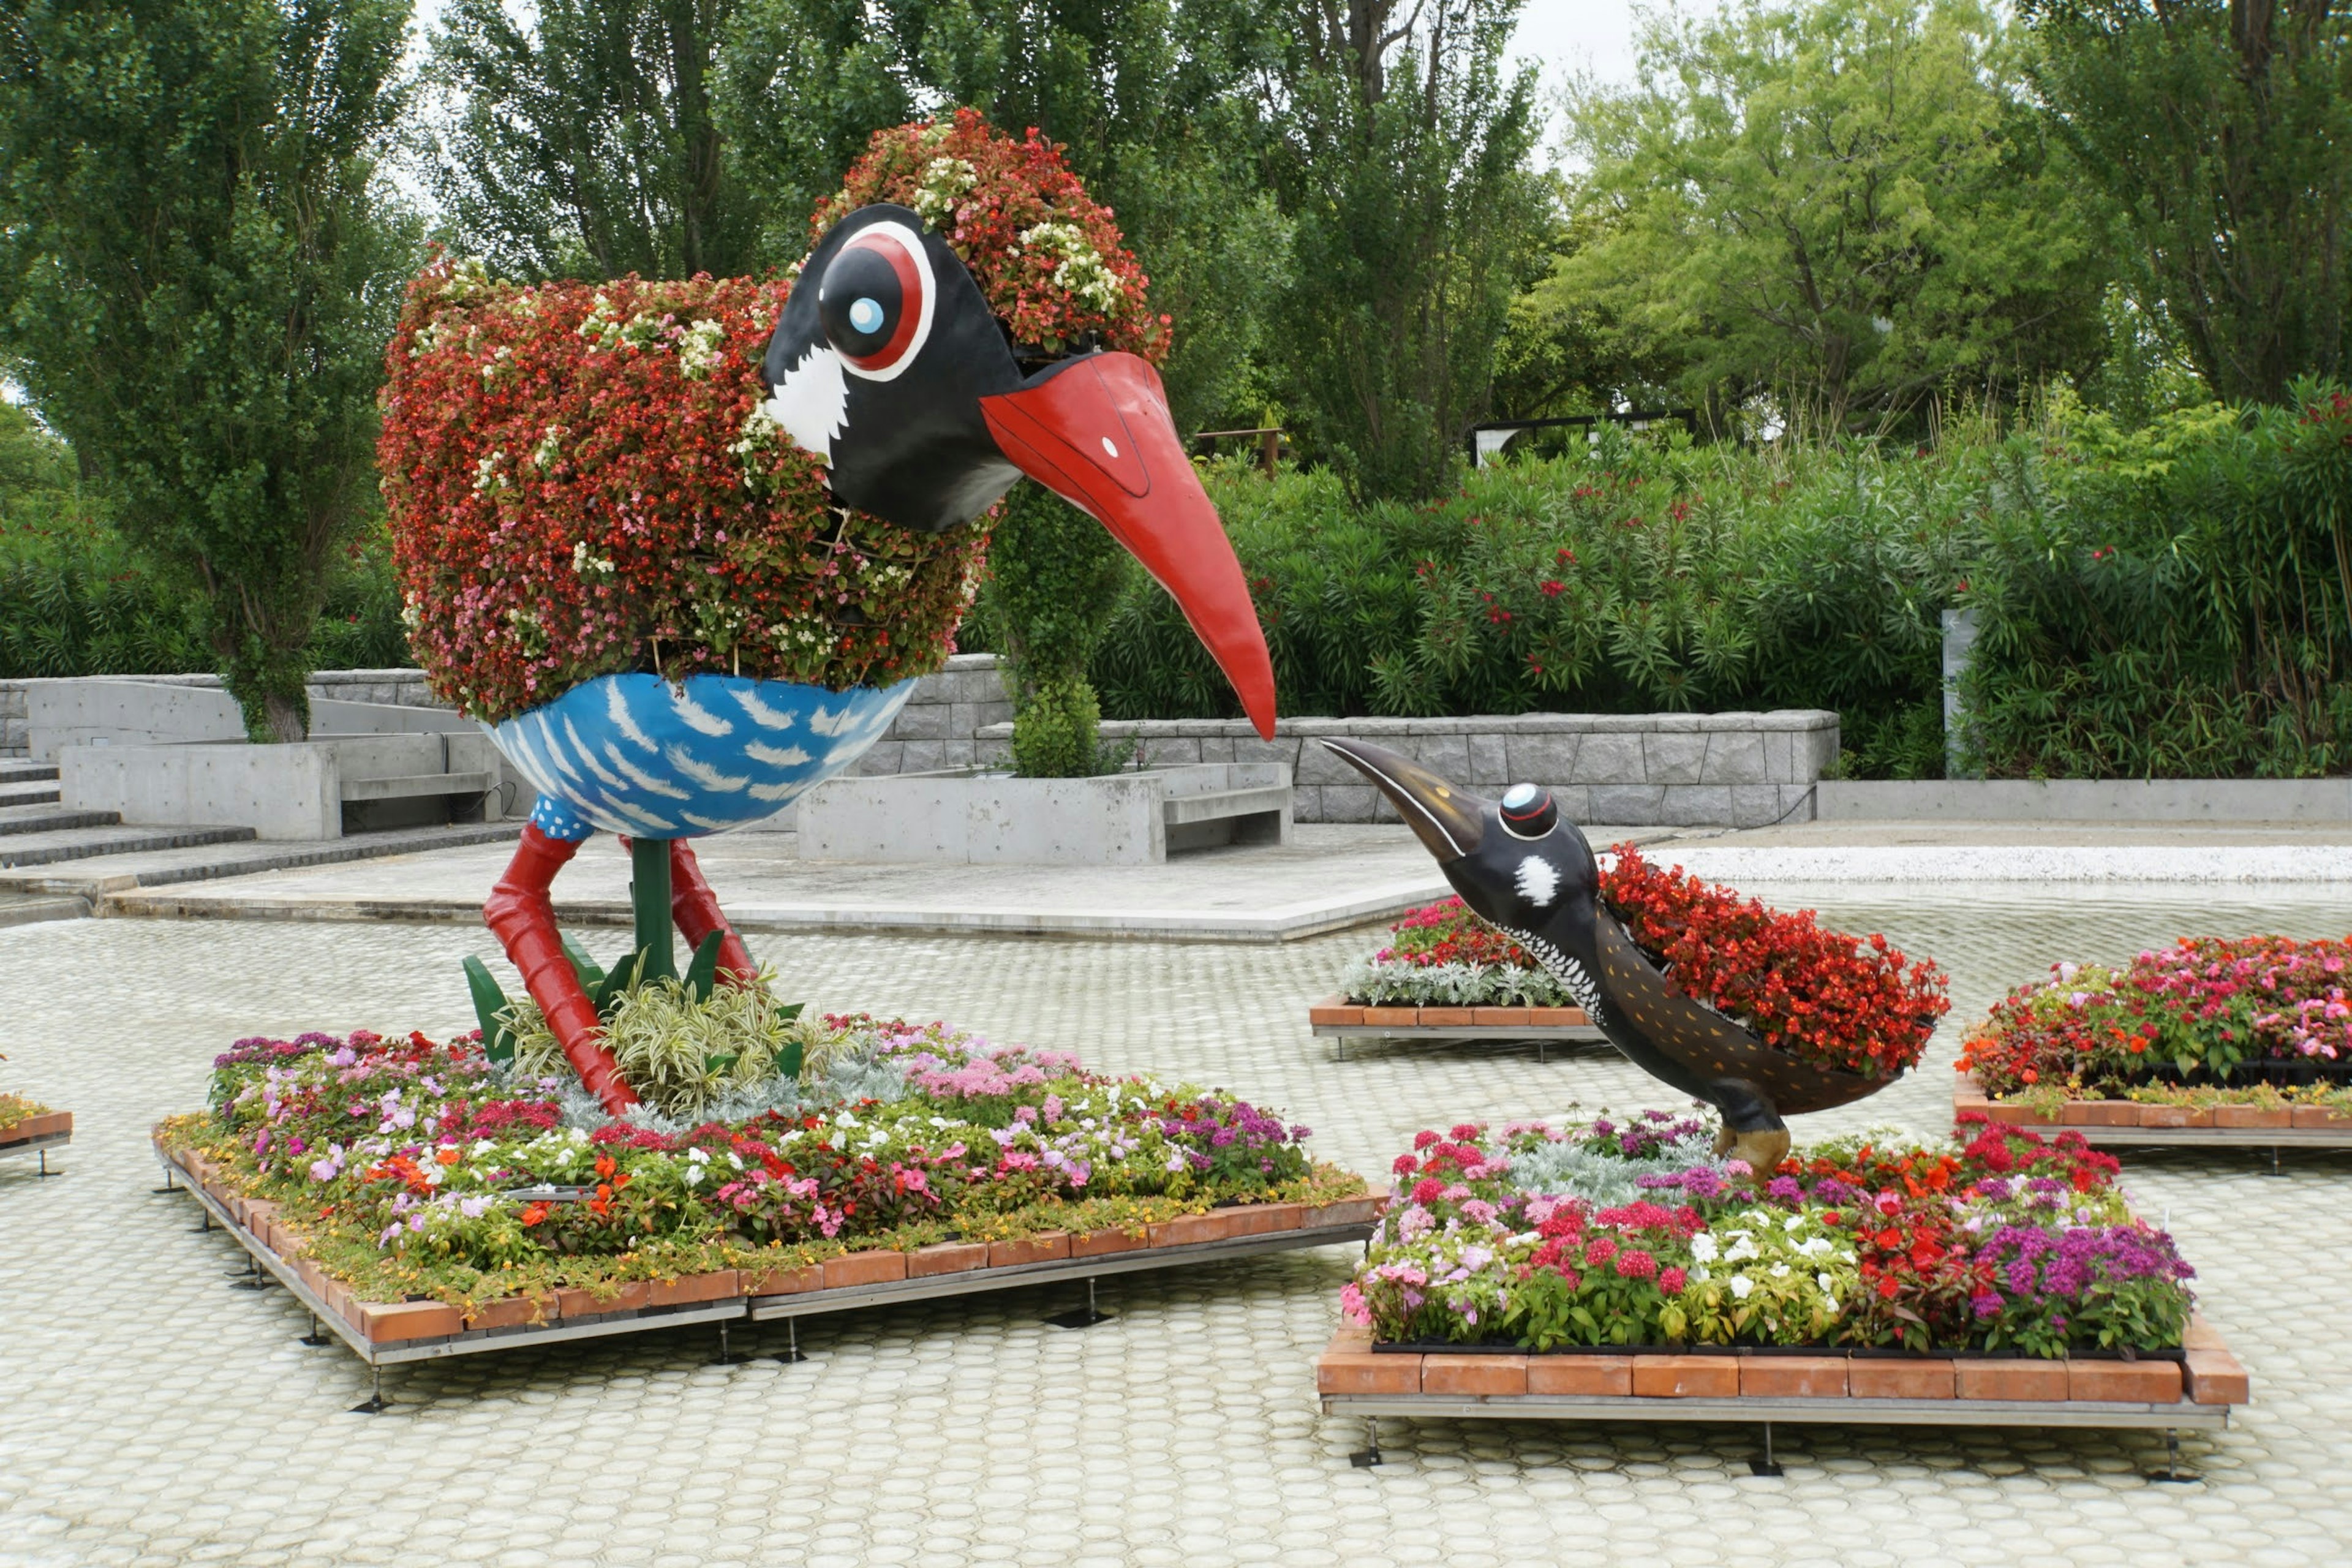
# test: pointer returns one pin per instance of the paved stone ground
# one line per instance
(151, 1414)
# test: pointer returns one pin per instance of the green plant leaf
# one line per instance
(591, 974)
(789, 1057)
(619, 982)
(703, 972)
(719, 1061)
(789, 1011)
(490, 1006)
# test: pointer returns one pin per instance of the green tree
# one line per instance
(1403, 164)
(579, 138)
(2223, 134)
(199, 267)
(1845, 207)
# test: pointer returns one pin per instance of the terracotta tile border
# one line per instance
(1969, 1095)
(399, 1322)
(48, 1124)
(1351, 1366)
(1336, 1011)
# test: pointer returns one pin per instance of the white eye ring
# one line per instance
(910, 245)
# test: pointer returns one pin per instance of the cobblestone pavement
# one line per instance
(151, 1414)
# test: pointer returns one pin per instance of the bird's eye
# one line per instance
(1529, 811)
(874, 301)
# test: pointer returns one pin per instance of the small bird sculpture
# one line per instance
(888, 367)
(1527, 871)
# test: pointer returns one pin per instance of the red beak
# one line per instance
(1097, 432)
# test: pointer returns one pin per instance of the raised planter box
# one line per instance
(386, 1334)
(1336, 1018)
(965, 817)
(1715, 1384)
(38, 1135)
(2128, 1123)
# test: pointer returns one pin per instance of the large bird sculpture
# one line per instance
(1530, 873)
(888, 367)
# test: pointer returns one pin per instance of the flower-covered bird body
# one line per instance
(676, 545)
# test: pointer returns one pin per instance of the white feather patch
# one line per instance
(812, 403)
(1539, 882)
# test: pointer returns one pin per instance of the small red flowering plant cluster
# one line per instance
(1538, 1237)
(417, 1166)
(2207, 1014)
(582, 479)
(1855, 1005)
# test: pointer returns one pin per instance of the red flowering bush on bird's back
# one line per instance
(581, 481)
(1855, 1005)
(1049, 259)
(2206, 1010)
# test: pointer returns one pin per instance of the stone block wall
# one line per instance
(1621, 768)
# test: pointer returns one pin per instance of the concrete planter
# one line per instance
(993, 819)
(299, 791)
(2087, 800)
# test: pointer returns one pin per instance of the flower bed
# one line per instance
(26, 1124)
(2227, 1037)
(1626, 1263)
(417, 1192)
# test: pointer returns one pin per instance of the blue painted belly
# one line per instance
(658, 759)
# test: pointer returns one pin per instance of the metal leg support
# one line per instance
(45, 1172)
(1368, 1455)
(2172, 1472)
(1084, 1317)
(1768, 1465)
(725, 1357)
(376, 1403)
(317, 1336)
(252, 1278)
(792, 1350)
(2274, 1170)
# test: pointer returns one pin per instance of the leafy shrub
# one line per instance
(2175, 601)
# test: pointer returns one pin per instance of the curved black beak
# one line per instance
(1450, 822)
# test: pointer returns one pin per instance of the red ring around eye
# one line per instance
(914, 305)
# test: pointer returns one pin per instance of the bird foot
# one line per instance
(1763, 1149)
(522, 916)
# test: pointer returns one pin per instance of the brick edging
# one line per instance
(1967, 1095)
(2209, 1375)
(387, 1323)
(1335, 1009)
(48, 1124)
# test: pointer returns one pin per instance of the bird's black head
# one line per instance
(1517, 862)
(889, 367)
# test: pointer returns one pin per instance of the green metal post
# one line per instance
(649, 896)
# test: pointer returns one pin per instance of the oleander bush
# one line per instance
(1531, 1237)
(2169, 601)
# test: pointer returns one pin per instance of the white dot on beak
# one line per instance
(1110, 447)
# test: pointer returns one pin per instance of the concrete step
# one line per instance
(85, 842)
(16, 770)
(37, 817)
(97, 877)
(32, 909)
(31, 791)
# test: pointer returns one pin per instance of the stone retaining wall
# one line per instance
(1623, 769)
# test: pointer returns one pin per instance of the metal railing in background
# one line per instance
(1489, 437)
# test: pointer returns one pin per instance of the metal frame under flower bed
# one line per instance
(41, 1142)
(1338, 1020)
(729, 1310)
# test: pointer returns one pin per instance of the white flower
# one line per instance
(1779, 1271)
(1828, 1286)
(944, 183)
(1741, 1251)
(1704, 1248)
(1741, 1286)
(698, 349)
(1794, 1223)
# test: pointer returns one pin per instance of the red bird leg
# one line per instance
(696, 909)
(520, 915)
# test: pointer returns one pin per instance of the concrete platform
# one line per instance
(1328, 879)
